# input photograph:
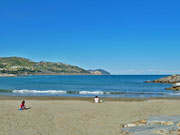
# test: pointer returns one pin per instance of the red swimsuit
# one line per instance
(22, 106)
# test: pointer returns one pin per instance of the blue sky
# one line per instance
(121, 36)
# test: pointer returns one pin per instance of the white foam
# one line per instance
(38, 91)
(92, 92)
(174, 94)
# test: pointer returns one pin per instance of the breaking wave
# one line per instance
(39, 91)
(58, 92)
(84, 92)
(92, 92)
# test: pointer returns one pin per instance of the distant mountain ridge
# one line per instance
(23, 66)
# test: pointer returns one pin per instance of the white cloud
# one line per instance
(132, 70)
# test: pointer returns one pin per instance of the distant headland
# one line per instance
(12, 66)
(99, 72)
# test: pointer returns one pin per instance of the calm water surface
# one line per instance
(86, 86)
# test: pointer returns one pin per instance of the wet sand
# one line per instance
(78, 116)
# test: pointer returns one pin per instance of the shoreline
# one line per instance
(19, 75)
(93, 74)
(58, 98)
(8, 75)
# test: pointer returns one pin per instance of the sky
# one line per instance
(120, 36)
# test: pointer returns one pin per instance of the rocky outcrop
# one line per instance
(168, 79)
(174, 79)
(166, 125)
(176, 86)
(173, 88)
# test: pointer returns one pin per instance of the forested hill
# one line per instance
(23, 66)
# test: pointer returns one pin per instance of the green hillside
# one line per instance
(22, 66)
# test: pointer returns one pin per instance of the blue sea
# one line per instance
(115, 86)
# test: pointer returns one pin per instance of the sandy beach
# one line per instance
(77, 116)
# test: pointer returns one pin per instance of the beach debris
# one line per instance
(162, 132)
(136, 123)
(124, 133)
(178, 124)
(175, 132)
(160, 123)
(101, 100)
(157, 125)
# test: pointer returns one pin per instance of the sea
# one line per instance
(114, 86)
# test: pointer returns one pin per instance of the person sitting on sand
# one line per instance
(22, 106)
(96, 99)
